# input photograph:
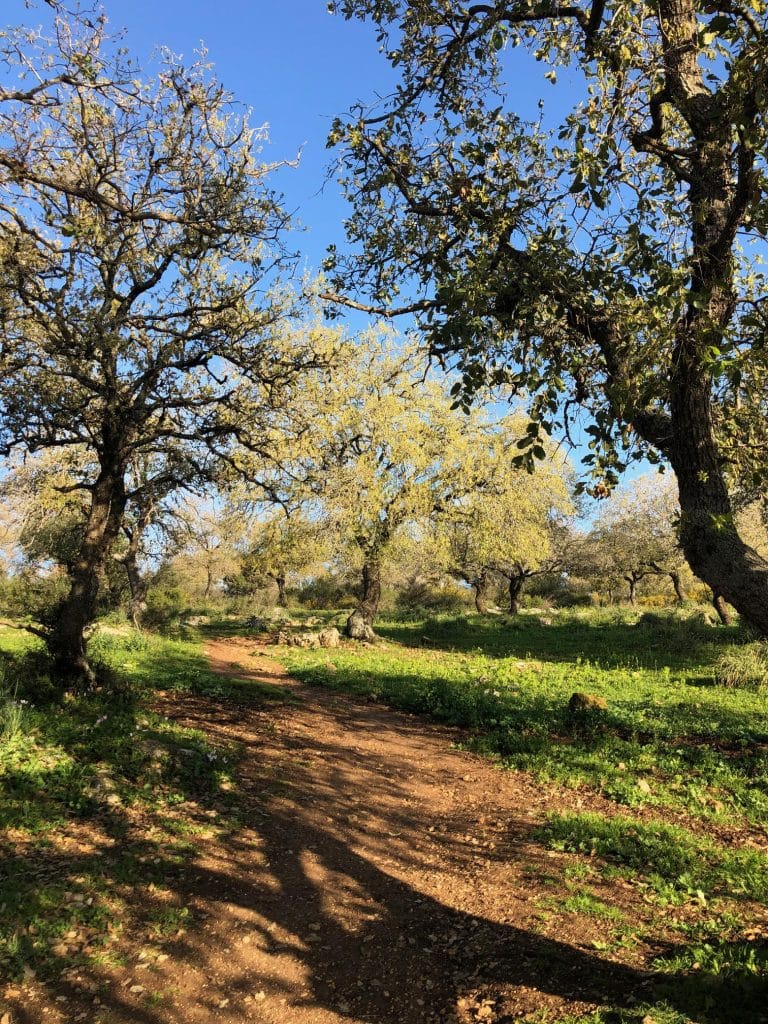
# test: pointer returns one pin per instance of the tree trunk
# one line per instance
(516, 587)
(137, 584)
(360, 622)
(632, 589)
(708, 534)
(482, 585)
(282, 596)
(138, 587)
(677, 583)
(66, 641)
(722, 609)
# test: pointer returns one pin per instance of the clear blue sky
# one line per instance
(297, 67)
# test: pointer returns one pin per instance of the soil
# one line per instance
(382, 876)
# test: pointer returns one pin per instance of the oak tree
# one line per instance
(138, 240)
(605, 265)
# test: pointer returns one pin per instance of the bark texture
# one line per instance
(516, 588)
(360, 623)
(66, 641)
(482, 586)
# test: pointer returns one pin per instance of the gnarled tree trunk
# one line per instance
(66, 640)
(360, 622)
(516, 588)
(708, 534)
(282, 595)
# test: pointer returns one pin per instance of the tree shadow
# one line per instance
(305, 900)
(677, 644)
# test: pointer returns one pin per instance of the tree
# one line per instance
(638, 531)
(138, 236)
(507, 525)
(387, 450)
(603, 265)
(281, 546)
(205, 538)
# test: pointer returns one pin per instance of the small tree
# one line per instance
(282, 546)
(638, 533)
(507, 524)
(137, 236)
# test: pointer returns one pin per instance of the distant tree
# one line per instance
(605, 264)
(507, 524)
(204, 545)
(638, 532)
(281, 546)
(388, 450)
(137, 238)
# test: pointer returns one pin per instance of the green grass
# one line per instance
(670, 737)
(667, 854)
(83, 768)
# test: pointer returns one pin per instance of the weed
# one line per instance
(744, 667)
(664, 853)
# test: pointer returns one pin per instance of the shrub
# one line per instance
(328, 591)
(12, 713)
(424, 597)
(744, 667)
(165, 606)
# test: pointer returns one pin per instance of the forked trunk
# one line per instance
(282, 595)
(631, 580)
(360, 622)
(66, 641)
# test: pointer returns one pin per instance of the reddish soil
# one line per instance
(381, 877)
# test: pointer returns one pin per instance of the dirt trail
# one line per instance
(382, 877)
(387, 878)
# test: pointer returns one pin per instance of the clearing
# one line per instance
(359, 866)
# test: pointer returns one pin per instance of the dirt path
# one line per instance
(386, 878)
(381, 877)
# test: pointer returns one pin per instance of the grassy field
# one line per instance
(679, 763)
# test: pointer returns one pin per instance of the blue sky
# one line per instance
(297, 67)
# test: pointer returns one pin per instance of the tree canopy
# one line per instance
(138, 242)
(605, 266)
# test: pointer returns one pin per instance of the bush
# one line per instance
(165, 606)
(327, 592)
(12, 711)
(744, 667)
(424, 597)
(29, 596)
